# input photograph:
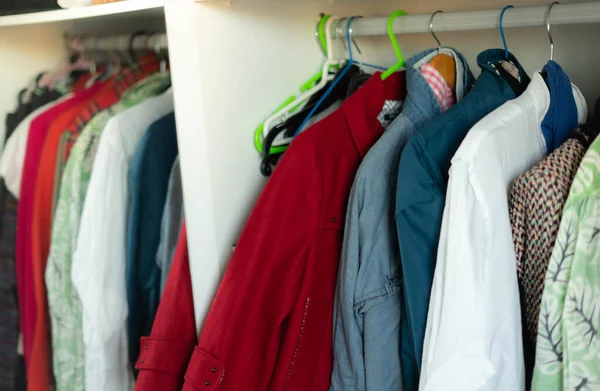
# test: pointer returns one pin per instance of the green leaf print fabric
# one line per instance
(568, 346)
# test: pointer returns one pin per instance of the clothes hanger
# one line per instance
(502, 30)
(548, 29)
(133, 65)
(548, 14)
(295, 122)
(324, 99)
(157, 52)
(322, 40)
(349, 64)
(506, 68)
(443, 63)
(396, 67)
(285, 112)
(432, 32)
(349, 41)
(340, 76)
(95, 75)
(357, 79)
(49, 80)
(337, 90)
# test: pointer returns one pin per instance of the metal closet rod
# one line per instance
(532, 16)
(121, 43)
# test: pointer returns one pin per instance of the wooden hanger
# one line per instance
(443, 63)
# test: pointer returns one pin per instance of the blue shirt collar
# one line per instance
(561, 117)
(490, 89)
(488, 58)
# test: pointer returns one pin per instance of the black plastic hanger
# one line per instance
(290, 126)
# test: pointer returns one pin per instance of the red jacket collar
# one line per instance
(362, 108)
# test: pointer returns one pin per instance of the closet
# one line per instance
(233, 61)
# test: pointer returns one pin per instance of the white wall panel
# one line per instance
(25, 52)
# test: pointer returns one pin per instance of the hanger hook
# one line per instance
(339, 41)
(94, 69)
(431, 28)
(320, 32)
(329, 40)
(548, 29)
(157, 50)
(350, 38)
(317, 35)
(502, 30)
(338, 32)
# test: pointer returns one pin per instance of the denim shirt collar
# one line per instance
(420, 103)
(562, 116)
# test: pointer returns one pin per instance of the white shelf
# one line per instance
(141, 8)
(269, 2)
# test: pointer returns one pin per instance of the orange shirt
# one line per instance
(39, 373)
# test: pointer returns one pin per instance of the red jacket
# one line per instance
(165, 355)
(270, 325)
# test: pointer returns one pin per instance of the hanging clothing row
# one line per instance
(404, 238)
(91, 211)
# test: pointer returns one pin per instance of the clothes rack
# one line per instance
(122, 42)
(532, 16)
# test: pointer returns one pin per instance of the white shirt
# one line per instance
(99, 260)
(13, 155)
(473, 337)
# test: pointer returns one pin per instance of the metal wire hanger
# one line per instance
(432, 32)
(548, 29)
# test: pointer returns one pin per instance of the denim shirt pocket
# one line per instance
(392, 287)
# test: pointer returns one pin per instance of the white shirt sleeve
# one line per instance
(454, 356)
(13, 154)
(99, 270)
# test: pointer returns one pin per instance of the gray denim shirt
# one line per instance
(172, 220)
(366, 328)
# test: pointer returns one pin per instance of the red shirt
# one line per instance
(270, 325)
(24, 267)
(71, 121)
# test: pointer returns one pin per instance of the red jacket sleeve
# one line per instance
(164, 355)
(239, 343)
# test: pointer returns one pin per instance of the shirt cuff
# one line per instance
(204, 372)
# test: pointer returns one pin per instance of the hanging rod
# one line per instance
(119, 43)
(532, 16)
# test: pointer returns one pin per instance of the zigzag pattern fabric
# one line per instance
(536, 202)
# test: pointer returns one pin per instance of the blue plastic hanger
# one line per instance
(340, 75)
(502, 30)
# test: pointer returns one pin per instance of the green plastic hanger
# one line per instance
(258, 139)
(401, 63)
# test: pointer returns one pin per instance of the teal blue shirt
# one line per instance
(420, 199)
(148, 183)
